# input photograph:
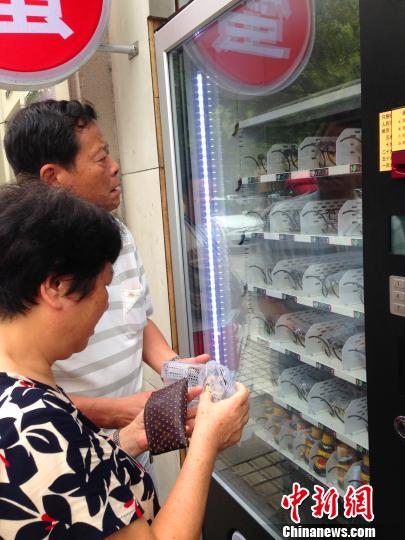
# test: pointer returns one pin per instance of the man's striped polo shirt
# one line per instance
(111, 365)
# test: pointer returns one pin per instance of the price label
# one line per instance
(325, 368)
(356, 168)
(289, 297)
(292, 355)
(328, 430)
(322, 306)
(357, 242)
(283, 236)
(320, 172)
(294, 411)
(319, 239)
(282, 177)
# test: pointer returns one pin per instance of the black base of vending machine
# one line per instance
(220, 506)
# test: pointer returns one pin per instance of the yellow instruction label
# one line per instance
(385, 140)
(398, 129)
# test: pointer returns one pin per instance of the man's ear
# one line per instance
(52, 174)
(53, 291)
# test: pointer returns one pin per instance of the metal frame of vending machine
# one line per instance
(382, 199)
(189, 20)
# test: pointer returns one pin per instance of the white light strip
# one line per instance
(204, 160)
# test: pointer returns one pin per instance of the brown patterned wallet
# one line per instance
(165, 418)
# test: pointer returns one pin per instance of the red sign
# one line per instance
(44, 41)
(259, 47)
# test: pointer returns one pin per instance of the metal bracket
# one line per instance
(131, 50)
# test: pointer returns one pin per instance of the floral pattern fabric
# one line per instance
(60, 477)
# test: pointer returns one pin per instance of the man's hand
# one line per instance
(132, 406)
(111, 413)
(156, 350)
(200, 359)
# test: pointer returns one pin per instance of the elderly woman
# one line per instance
(60, 477)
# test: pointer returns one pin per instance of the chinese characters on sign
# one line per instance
(259, 46)
(398, 129)
(33, 19)
(258, 30)
(356, 502)
(42, 42)
(385, 141)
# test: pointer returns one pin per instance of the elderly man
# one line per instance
(60, 142)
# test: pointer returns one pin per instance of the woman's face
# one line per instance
(84, 314)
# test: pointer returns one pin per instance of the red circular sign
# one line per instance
(259, 47)
(43, 41)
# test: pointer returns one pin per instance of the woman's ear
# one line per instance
(53, 291)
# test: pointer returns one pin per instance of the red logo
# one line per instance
(356, 502)
(326, 502)
(259, 47)
(293, 501)
(44, 41)
(359, 502)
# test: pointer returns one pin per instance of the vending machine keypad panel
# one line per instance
(397, 295)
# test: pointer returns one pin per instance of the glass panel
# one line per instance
(398, 235)
(270, 178)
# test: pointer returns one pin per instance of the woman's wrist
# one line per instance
(200, 443)
(129, 442)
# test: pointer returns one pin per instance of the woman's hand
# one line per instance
(133, 437)
(220, 424)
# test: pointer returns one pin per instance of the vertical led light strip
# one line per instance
(201, 114)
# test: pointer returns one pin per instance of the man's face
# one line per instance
(94, 175)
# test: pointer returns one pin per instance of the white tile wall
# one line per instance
(144, 218)
(133, 87)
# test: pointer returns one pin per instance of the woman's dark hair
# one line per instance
(45, 132)
(45, 231)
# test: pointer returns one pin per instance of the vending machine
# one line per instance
(284, 133)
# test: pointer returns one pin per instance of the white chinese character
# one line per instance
(257, 29)
(272, 8)
(51, 15)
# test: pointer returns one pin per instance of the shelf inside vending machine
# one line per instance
(355, 311)
(332, 365)
(324, 239)
(333, 100)
(322, 172)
